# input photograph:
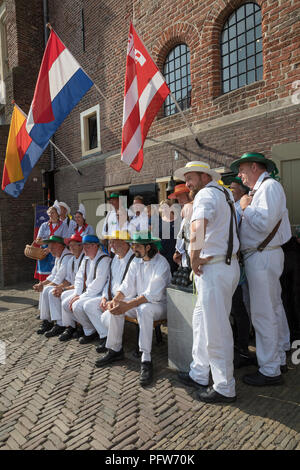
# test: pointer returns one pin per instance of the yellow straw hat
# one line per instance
(118, 235)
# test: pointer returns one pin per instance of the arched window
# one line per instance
(241, 48)
(178, 77)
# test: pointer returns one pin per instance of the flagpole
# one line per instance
(185, 119)
(65, 156)
(52, 143)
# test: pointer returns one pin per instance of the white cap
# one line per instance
(81, 209)
(65, 206)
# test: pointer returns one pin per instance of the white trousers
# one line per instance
(80, 315)
(95, 316)
(44, 305)
(146, 313)
(68, 318)
(263, 271)
(212, 332)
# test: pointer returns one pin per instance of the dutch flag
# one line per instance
(60, 86)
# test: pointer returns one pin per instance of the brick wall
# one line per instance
(161, 25)
(25, 42)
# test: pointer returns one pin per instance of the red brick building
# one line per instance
(239, 88)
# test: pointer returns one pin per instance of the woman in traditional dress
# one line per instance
(54, 226)
(82, 227)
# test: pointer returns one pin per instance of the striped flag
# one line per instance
(145, 92)
(60, 86)
(21, 155)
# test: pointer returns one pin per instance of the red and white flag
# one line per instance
(145, 92)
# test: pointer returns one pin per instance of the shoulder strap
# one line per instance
(127, 267)
(97, 262)
(232, 216)
(66, 254)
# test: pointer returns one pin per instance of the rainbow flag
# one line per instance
(21, 155)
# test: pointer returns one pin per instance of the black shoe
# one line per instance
(243, 359)
(101, 346)
(146, 374)
(78, 332)
(55, 331)
(284, 369)
(88, 339)
(67, 334)
(260, 380)
(45, 326)
(185, 378)
(209, 395)
(110, 356)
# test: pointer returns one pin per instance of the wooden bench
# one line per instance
(156, 326)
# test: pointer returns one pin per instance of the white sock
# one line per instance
(146, 357)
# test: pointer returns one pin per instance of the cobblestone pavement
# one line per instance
(52, 397)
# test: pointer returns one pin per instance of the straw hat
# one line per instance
(118, 235)
(199, 166)
(179, 189)
(253, 157)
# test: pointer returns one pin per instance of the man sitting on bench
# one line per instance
(95, 307)
(142, 295)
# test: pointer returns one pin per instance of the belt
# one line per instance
(219, 259)
(253, 250)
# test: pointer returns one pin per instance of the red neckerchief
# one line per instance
(82, 229)
(53, 230)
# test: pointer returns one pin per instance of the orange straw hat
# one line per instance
(179, 189)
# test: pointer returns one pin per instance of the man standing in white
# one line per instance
(264, 228)
(142, 295)
(214, 245)
(95, 307)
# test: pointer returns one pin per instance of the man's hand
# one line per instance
(57, 291)
(103, 304)
(177, 257)
(38, 287)
(120, 307)
(197, 263)
(245, 201)
(72, 301)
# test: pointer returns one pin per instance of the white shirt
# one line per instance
(59, 271)
(268, 206)
(94, 283)
(73, 266)
(211, 204)
(147, 278)
(118, 266)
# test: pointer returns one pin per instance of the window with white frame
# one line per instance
(90, 131)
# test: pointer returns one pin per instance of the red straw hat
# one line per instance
(74, 238)
(179, 189)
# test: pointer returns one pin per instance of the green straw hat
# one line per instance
(54, 239)
(253, 157)
(145, 238)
